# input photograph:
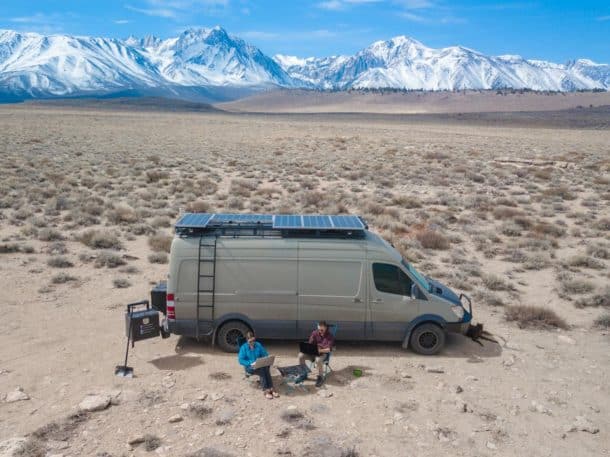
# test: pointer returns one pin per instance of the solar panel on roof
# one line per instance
(287, 221)
(346, 222)
(194, 220)
(317, 222)
(242, 218)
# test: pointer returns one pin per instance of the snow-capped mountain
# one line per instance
(33, 65)
(211, 62)
(405, 63)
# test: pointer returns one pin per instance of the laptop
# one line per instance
(263, 362)
(308, 348)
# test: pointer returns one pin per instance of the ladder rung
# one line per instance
(206, 306)
(207, 260)
(205, 291)
(206, 276)
(206, 245)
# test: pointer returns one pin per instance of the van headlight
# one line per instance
(458, 311)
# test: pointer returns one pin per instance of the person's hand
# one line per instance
(322, 350)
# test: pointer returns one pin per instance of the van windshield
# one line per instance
(417, 275)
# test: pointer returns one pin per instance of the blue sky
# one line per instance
(551, 30)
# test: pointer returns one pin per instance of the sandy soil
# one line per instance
(522, 396)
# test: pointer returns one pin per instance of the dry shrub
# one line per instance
(49, 234)
(199, 410)
(493, 282)
(156, 175)
(62, 278)
(158, 257)
(544, 228)
(598, 300)
(10, 248)
(602, 321)
(529, 316)
(108, 259)
(584, 261)
(576, 286)
(506, 212)
(121, 283)
(32, 447)
(314, 199)
(242, 187)
(160, 242)
(406, 201)
(431, 239)
(489, 298)
(151, 442)
(122, 214)
(603, 224)
(198, 206)
(59, 262)
(100, 239)
(161, 221)
(562, 192)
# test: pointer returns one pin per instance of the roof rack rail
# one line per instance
(268, 225)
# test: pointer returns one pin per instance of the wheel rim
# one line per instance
(232, 336)
(428, 340)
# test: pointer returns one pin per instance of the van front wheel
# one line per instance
(230, 333)
(427, 339)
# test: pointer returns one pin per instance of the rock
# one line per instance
(566, 339)
(16, 395)
(537, 407)
(325, 393)
(404, 374)
(490, 445)
(184, 406)
(471, 378)
(12, 447)
(514, 410)
(582, 424)
(219, 432)
(175, 418)
(136, 439)
(458, 389)
(217, 396)
(94, 403)
(510, 361)
(201, 397)
(461, 406)
(435, 369)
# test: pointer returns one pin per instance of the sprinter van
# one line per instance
(280, 274)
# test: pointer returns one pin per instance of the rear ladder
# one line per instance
(204, 259)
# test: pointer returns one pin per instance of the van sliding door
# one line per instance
(330, 289)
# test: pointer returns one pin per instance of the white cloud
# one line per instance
(178, 9)
(412, 16)
(338, 5)
(259, 35)
(121, 21)
(603, 18)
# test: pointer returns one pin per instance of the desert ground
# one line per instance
(516, 217)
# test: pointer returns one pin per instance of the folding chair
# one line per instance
(332, 328)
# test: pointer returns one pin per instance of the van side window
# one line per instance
(391, 279)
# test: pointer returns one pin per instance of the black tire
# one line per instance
(229, 333)
(427, 339)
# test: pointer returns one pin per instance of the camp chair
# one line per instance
(293, 377)
(332, 328)
(240, 342)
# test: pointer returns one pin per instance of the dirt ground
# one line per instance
(515, 217)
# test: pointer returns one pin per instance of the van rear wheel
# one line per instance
(230, 333)
(427, 339)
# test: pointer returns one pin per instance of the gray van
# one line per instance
(280, 274)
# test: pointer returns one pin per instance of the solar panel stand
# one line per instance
(204, 260)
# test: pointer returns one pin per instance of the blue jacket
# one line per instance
(248, 356)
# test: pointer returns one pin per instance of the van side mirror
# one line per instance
(413, 291)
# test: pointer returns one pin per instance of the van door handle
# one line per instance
(378, 300)
(357, 300)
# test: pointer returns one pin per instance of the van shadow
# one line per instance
(176, 362)
(456, 346)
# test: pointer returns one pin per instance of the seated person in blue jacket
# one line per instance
(248, 353)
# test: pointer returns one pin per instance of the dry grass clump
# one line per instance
(156, 175)
(158, 257)
(198, 206)
(122, 214)
(599, 300)
(63, 278)
(100, 239)
(242, 187)
(602, 321)
(585, 262)
(32, 447)
(571, 285)
(562, 192)
(538, 317)
(108, 259)
(199, 410)
(493, 282)
(406, 201)
(489, 298)
(161, 221)
(545, 228)
(603, 224)
(49, 234)
(59, 262)
(121, 283)
(599, 251)
(432, 239)
(10, 248)
(160, 242)
(151, 442)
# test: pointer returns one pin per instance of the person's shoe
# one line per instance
(319, 381)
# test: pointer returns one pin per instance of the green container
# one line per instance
(357, 372)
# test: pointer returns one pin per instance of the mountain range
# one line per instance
(212, 65)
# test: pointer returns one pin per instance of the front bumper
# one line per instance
(463, 325)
